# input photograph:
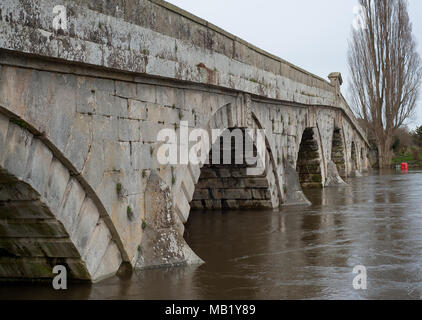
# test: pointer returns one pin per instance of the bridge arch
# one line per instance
(214, 187)
(309, 164)
(228, 186)
(47, 217)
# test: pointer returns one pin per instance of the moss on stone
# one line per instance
(20, 123)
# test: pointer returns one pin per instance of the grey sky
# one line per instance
(311, 34)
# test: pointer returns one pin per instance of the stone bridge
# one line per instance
(80, 109)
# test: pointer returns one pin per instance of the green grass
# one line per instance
(403, 158)
(407, 157)
(119, 189)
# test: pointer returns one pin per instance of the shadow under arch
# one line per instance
(308, 165)
(224, 182)
(228, 117)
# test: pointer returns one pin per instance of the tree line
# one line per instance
(386, 73)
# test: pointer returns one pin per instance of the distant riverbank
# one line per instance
(414, 159)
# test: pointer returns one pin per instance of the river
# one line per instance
(292, 253)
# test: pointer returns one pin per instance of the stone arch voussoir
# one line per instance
(47, 218)
(239, 115)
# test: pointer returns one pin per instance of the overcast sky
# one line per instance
(312, 34)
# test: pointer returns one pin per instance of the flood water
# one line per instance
(292, 253)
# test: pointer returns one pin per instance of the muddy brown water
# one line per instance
(292, 253)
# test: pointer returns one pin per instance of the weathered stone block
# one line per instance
(14, 87)
(17, 150)
(97, 247)
(213, 204)
(126, 89)
(231, 183)
(188, 185)
(106, 191)
(71, 205)
(213, 183)
(31, 228)
(38, 105)
(166, 96)
(237, 173)
(143, 156)
(129, 130)
(77, 269)
(207, 173)
(26, 268)
(149, 131)
(195, 171)
(132, 182)
(25, 209)
(182, 206)
(17, 191)
(86, 101)
(157, 113)
(79, 141)
(37, 171)
(201, 194)
(161, 67)
(105, 128)
(146, 92)
(61, 119)
(93, 169)
(255, 183)
(261, 194)
(239, 194)
(95, 84)
(85, 224)
(53, 248)
(110, 264)
(193, 100)
(137, 110)
(56, 185)
(109, 105)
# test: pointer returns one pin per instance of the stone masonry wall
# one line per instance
(107, 128)
(155, 38)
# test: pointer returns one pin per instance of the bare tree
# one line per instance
(403, 140)
(385, 71)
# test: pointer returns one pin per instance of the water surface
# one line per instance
(292, 253)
